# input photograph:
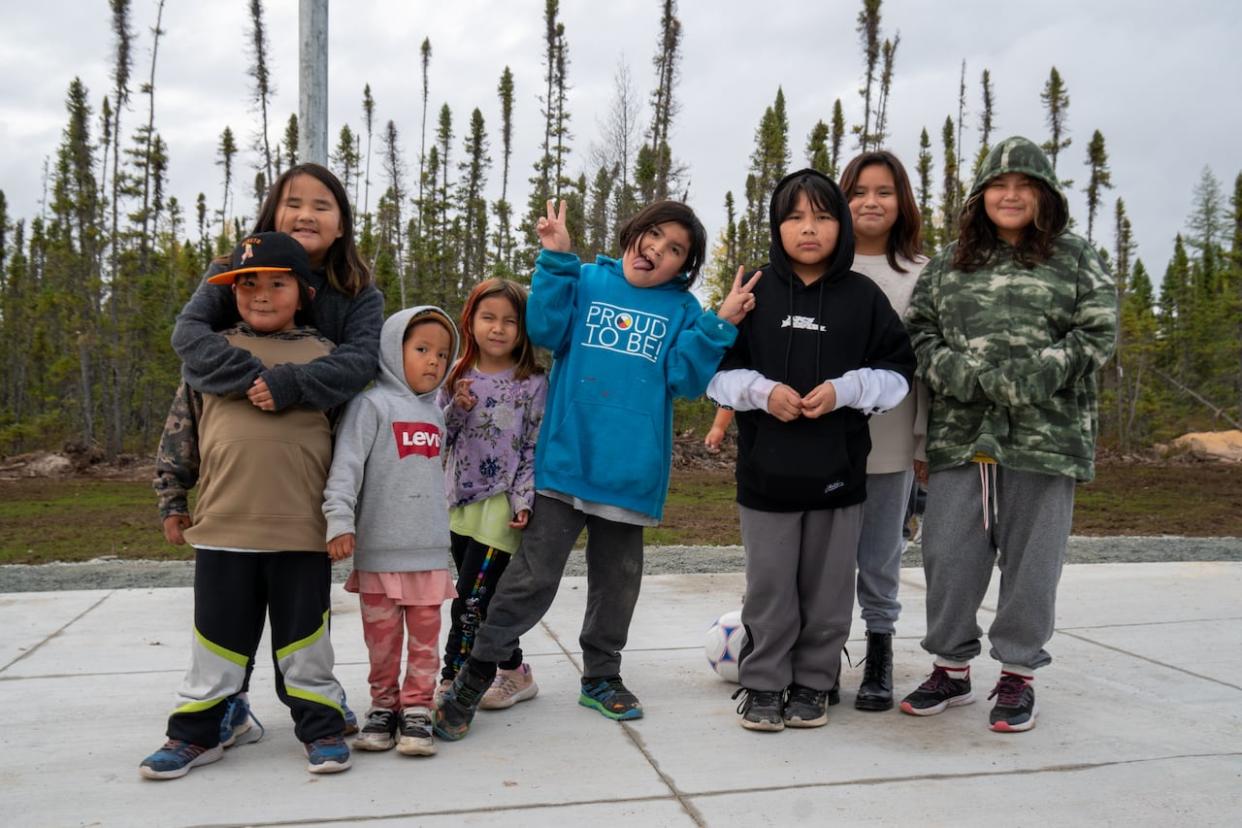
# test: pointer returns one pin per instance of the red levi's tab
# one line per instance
(416, 438)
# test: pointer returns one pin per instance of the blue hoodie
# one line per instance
(620, 355)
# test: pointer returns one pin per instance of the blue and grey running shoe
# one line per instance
(175, 759)
(327, 755)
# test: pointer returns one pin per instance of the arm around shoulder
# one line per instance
(208, 362)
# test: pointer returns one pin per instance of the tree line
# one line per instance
(90, 287)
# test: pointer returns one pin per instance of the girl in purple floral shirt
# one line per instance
(493, 403)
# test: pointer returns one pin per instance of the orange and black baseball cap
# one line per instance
(266, 252)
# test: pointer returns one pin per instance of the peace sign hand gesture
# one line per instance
(553, 233)
(741, 299)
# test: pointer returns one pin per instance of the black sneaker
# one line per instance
(379, 732)
(939, 692)
(805, 707)
(761, 709)
(459, 703)
(416, 727)
(611, 698)
(1015, 709)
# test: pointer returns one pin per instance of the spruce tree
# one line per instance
(951, 195)
(502, 208)
(394, 170)
(472, 203)
(263, 87)
(836, 138)
(226, 151)
(345, 159)
(1100, 179)
(1055, 98)
(930, 233)
(888, 53)
(368, 118)
(868, 29)
(290, 141)
(664, 106)
(817, 156)
(986, 120)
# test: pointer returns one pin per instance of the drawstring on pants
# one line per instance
(990, 494)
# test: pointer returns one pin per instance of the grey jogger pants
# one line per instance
(880, 547)
(1029, 517)
(799, 595)
(614, 555)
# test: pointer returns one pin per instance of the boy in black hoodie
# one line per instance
(821, 352)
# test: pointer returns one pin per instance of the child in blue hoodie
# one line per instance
(384, 504)
(626, 336)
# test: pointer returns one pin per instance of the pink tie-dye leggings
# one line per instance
(384, 630)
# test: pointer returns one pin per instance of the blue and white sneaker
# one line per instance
(327, 755)
(176, 758)
(238, 721)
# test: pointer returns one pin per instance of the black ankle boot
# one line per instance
(876, 690)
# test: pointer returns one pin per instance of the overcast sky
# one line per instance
(1162, 81)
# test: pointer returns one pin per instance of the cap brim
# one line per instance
(230, 276)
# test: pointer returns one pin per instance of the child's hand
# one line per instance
(341, 547)
(462, 398)
(174, 526)
(520, 520)
(920, 471)
(784, 403)
(261, 396)
(740, 300)
(820, 401)
(553, 233)
(715, 436)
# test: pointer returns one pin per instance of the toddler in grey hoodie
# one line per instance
(384, 503)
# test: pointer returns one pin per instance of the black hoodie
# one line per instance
(802, 335)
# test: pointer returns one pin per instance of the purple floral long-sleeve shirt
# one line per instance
(491, 448)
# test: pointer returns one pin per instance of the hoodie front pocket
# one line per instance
(608, 447)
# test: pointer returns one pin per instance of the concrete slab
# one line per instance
(1141, 723)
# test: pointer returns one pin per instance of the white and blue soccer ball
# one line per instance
(724, 642)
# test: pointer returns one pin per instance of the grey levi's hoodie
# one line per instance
(387, 478)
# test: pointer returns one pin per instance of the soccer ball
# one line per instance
(725, 639)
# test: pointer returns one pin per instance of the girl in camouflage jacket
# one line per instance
(1009, 324)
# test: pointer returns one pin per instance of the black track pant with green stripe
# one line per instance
(232, 590)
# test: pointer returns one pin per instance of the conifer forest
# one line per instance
(90, 284)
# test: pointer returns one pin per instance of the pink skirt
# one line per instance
(407, 589)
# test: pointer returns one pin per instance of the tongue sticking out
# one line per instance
(643, 263)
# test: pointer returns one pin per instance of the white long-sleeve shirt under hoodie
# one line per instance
(870, 390)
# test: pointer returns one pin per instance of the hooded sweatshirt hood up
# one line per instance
(802, 335)
(387, 479)
(1021, 155)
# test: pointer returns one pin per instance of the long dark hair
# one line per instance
(659, 213)
(524, 352)
(345, 269)
(905, 239)
(978, 241)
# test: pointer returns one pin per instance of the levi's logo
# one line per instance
(416, 438)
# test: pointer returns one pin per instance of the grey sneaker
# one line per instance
(379, 732)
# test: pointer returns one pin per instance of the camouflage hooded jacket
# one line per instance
(1010, 352)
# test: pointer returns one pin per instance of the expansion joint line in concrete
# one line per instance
(636, 740)
(936, 777)
(57, 632)
(1149, 660)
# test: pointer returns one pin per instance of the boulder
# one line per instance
(1211, 445)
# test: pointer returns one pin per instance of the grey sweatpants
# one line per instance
(799, 595)
(1028, 526)
(614, 556)
(880, 547)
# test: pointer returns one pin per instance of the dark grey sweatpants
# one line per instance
(1029, 530)
(614, 556)
(799, 595)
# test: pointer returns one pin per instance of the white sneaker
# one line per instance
(510, 687)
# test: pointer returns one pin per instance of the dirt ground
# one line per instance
(96, 510)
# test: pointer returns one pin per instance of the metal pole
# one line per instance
(313, 81)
